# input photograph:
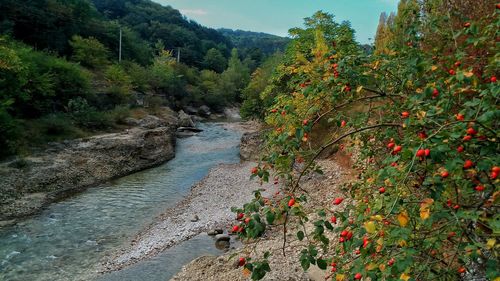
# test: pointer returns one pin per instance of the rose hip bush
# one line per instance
(426, 127)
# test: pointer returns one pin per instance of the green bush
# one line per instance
(89, 52)
(118, 85)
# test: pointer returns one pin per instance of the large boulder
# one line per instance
(185, 120)
(204, 111)
(250, 146)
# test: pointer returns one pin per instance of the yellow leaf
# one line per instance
(402, 243)
(359, 89)
(403, 218)
(377, 218)
(340, 277)
(370, 227)
(425, 208)
(371, 266)
(419, 90)
(404, 277)
(491, 243)
(246, 272)
(468, 74)
(433, 68)
(382, 267)
(421, 114)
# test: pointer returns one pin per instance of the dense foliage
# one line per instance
(422, 114)
(67, 67)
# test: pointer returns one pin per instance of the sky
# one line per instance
(277, 16)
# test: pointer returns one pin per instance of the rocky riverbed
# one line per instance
(64, 168)
(320, 188)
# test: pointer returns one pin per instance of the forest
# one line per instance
(60, 61)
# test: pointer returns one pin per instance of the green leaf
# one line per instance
(300, 235)
(321, 263)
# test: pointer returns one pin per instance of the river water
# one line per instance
(69, 238)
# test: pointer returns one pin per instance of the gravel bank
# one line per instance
(211, 200)
(321, 189)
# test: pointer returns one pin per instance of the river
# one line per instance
(69, 238)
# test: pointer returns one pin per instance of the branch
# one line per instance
(336, 141)
(380, 95)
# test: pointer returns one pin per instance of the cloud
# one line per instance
(194, 12)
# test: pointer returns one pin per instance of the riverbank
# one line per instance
(284, 267)
(33, 182)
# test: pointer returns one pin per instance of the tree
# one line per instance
(235, 78)
(214, 60)
(89, 52)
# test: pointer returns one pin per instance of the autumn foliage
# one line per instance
(425, 124)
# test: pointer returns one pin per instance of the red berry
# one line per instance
(274, 110)
(358, 276)
(460, 149)
(427, 152)
(247, 220)
(495, 169)
(255, 170)
(335, 65)
(391, 145)
(236, 228)
(343, 123)
(468, 164)
(448, 202)
(444, 174)
(456, 207)
(493, 175)
(291, 202)
(462, 270)
(467, 24)
(451, 72)
(283, 113)
(479, 188)
(341, 239)
(391, 262)
(344, 233)
(357, 252)
(240, 216)
(381, 190)
(241, 262)
(460, 117)
(333, 219)
(498, 6)
(394, 164)
(458, 63)
(337, 201)
(467, 138)
(420, 153)
(493, 79)
(349, 235)
(471, 131)
(397, 149)
(347, 88)
(422, 135)
(305, 122)
(405, 114)
(435, 93)
(451, 234)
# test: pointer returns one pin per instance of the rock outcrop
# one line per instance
(250, 146)
(27, 185)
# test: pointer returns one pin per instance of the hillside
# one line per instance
(249, 41)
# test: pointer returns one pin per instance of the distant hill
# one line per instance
(248, 40)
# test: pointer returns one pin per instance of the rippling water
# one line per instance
(67, 240)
